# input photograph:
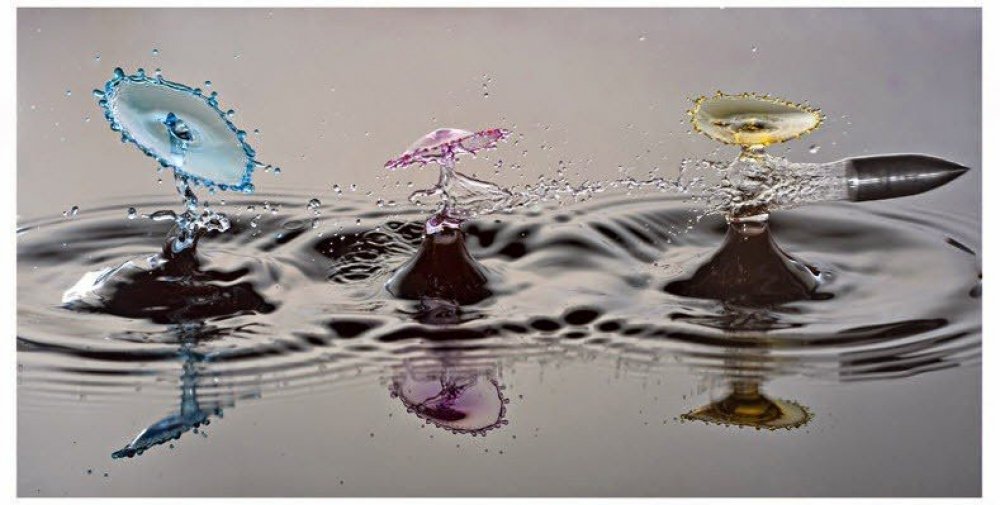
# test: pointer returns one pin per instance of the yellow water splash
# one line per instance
(752, 121)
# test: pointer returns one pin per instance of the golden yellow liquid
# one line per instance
(751, 120)
(746, 406)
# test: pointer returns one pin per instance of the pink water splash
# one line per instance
(443, 145)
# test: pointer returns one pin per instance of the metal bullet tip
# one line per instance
(897, 175)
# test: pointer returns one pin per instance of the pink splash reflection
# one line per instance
(458, 400)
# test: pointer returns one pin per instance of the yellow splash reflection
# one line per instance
(752, 120)
(745, 405)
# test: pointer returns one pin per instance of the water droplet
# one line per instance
(97, 57)
(208, 84)
(132, 213)
(753, 49)
(313, 204)
(156, 52)
(74, 210)
(813, 149)
(642, 38)
(69, 93)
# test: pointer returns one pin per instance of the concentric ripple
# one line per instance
(901, 291)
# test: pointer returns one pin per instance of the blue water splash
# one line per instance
(181, 128)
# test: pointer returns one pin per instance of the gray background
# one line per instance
(337, 92)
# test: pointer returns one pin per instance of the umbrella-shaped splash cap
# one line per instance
(748, 120)
(179, 127)
(444, 144)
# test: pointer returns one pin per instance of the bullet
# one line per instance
(754, 185)
(897, 175)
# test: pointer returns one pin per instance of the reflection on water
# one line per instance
(193, 412)
(744, 402)
(746, 405)
(451, 392)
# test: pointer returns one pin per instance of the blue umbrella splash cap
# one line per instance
(181, 128)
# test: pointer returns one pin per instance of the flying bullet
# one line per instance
(897, 175)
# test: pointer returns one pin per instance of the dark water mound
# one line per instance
(750, 270)
(442, 269)
(172, 289)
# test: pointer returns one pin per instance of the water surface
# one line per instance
(582, 346)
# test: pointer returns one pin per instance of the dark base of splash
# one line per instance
(750, 270)
(172, 289)
(442, 269)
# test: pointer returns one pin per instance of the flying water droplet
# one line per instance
(314, 205)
